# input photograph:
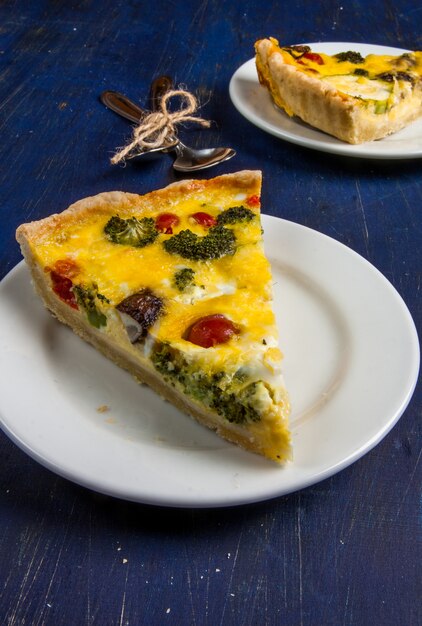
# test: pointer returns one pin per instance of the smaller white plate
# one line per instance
(253, 101)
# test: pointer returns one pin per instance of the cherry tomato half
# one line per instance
(211, 330)
(62, 287)
(165, 222)
(313, 56)
(253, 201)
(204, 219)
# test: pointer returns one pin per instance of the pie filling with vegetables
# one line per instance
(354, 98)
(174, 286)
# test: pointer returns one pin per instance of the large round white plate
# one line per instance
(351, 363)
(254, 102)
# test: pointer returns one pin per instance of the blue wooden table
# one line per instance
(346, 551)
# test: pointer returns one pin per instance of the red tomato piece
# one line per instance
(211, 330)
(62, 287)
(204, 219)
(313, 56)
(165, 222)
(253, 201)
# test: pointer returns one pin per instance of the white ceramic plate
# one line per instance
(254, 102)
(351, 363)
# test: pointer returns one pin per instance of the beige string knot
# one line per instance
(159, 127)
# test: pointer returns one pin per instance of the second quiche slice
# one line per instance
(354, 98)
(174, 286)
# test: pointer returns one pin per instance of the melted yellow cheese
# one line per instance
(341, 74)
(237, 286)
(373, 63)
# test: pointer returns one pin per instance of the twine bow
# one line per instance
(159, 127)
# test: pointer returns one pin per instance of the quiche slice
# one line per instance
(356, 99)
(174, 286)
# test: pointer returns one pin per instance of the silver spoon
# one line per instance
(187, 159)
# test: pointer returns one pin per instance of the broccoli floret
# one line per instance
(389, 77)
(233, 410)
(86, 297)
(183, 278)
(297, 51)
(131, 231)
(235, 214)
(218, 242)
(361, 72)
(101, 297)
(215, 390)
(352, 57)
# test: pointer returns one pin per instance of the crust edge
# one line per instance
(125, 201)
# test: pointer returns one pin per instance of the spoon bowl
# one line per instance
(189, 159)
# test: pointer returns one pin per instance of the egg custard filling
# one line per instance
(352, 97)
(175, 287)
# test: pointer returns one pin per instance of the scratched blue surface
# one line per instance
(344, 552)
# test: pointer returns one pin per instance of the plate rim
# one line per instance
(340, 148)
(268, 493)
